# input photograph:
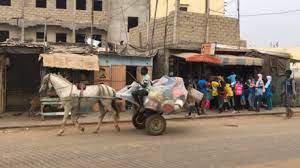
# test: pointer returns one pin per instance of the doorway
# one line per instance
(131, 74)
(22, 81)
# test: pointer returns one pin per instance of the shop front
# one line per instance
(118, 71)
(19, 75)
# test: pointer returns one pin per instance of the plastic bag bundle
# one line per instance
(169, 93)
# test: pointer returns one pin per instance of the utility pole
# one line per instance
(92, 24)
(23, 22)
(239, 20)
(73, 22)
(177, 3)
(207, 12)
(45, 32)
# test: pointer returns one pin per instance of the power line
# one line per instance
(272, 13)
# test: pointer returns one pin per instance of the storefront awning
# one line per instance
(240, 60)
(71, 61)
(196, 57)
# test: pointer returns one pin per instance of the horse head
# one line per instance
(45, 84)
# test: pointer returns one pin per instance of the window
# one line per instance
(81, 4)
(40, 36)
(97, 5)
(183, 8)
(5, 2)
(41, 3)
(98, 37)
(4, 35)
(61, 4)
(61, 37)
(80, 38)
(132, 22)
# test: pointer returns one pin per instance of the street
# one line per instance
(244, 142)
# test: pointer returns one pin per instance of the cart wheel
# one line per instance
(138, 121)
(155, 125)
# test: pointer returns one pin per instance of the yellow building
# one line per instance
(197, 6)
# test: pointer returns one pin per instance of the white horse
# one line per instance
(69, 95)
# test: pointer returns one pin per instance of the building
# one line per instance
(196, 6)
(70, 20)
(126, 14)
(185, 31)
(65, 21)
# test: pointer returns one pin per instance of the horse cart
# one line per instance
(167, 95)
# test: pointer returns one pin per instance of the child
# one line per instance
(229, 99)
(190, 102)
(238, 90)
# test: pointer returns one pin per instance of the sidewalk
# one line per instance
(9, 121)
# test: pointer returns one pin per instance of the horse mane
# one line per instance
(61, 77)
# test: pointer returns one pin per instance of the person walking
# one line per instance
(269, 94)
(251, 93)
(190, 102)
(289, 93)
(259, 92)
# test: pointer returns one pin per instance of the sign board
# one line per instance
(208, 48)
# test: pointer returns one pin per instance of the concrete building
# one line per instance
(196, 6)
(186, 31)
(70, 20)
(126, 14)
(67, 20)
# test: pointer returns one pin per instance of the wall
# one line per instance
(190, 31)
(55, 16)
(58, 20)
(197, 6)
(117, 30)
(30, 32)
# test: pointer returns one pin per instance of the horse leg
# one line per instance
(116, 119)
(75, 117)
(62, 128)
(116, 114)
(100, 119)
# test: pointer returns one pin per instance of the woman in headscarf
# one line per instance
(259, 91)
(269, 93)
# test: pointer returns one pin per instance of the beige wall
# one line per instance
(190, 31)
(197, 6)
(34, 16)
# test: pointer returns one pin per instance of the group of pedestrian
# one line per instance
(233, 93)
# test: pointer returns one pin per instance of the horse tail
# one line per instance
(114, 105)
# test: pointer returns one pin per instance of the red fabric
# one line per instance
(203, 58)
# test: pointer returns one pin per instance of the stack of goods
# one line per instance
(167, 94)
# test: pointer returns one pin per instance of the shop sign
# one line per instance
(208, 48)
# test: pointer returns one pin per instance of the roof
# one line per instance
(294, 52)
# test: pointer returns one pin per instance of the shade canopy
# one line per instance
(71, 61)
(196, 57)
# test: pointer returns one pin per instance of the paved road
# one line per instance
(247, 142)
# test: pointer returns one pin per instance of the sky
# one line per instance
(261, 31)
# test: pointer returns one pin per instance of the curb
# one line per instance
(167, 118)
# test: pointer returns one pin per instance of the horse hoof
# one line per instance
(95, 132)
(60, 133)
(82, 129)
(118, 129)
